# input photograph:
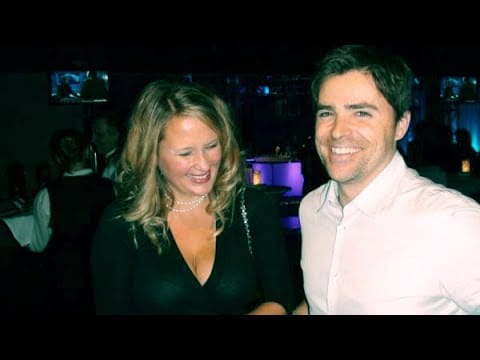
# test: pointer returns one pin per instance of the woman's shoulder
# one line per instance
(258, 196)
(113, 229)
(254, 192)
(114, 211)
(112, 224)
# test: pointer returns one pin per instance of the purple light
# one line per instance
(283, 173)
(291, 222)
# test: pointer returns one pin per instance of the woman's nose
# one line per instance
(201, 161)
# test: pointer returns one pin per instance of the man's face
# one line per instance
(355, 131)
(105, 137)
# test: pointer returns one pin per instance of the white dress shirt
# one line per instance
(41, 215)
(404, 245)
(110, 171)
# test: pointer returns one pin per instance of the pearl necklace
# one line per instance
(193, 204)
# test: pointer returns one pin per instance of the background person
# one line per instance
(94, 87)
(66, 213)
(107, 139)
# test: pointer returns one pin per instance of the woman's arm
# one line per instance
(301, 309)
(270, 254)
(269, 308)
(112, 262)
(41, 222)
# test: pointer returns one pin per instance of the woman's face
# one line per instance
(189, 157)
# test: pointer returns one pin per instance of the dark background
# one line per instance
(288, 55)
(28, 119)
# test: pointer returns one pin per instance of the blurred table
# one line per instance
(279, 171)
(17, 222)
(275, 190)
(7, 240)
(21, 227)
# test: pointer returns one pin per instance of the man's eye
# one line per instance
(362, 113)
(323, 114)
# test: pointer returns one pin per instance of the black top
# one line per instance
(76, 205)
(131, 280)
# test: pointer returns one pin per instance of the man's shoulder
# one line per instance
(426, 195)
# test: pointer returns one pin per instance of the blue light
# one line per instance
(263, 90)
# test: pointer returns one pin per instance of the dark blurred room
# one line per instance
(267, 85)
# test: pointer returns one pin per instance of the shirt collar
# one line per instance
(379, 194)
(81, 172)
(110, 153)
(330, 194)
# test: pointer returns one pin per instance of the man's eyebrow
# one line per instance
(324, 107)
(361, 106)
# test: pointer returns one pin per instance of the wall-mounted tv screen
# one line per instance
(78, 86)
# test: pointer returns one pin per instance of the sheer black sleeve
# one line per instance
(112, 259)
(269, 248)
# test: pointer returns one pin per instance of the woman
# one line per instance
(175, 241)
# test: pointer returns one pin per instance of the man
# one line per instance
(378, 238)
(106, 138)
(94, 87)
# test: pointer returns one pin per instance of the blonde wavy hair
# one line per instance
(142, 188)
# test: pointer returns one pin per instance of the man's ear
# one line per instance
(402, 125)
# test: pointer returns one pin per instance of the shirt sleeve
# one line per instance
(112, 257)
(460, 249)
(41, 222)
(109, 172)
